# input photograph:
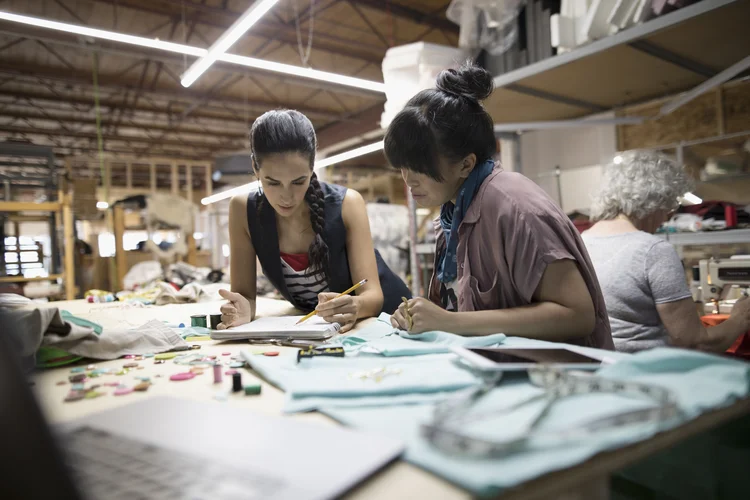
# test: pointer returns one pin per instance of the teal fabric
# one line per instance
(451, 216)
(700, 381)
(66, 316)
(382, 339)
(314, 381)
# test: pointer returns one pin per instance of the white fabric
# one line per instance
(142, 274)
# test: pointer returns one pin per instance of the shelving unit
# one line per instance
(728, 237)
(32, 167)
(667, 55)
(63, 209)
(121, 260)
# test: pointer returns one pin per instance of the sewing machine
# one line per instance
(718, 275)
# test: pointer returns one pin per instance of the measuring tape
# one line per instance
(557, 384)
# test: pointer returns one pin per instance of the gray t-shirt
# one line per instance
(636, 271)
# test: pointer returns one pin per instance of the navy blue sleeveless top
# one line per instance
(265, 238)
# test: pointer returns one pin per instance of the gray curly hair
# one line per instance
(644, 182)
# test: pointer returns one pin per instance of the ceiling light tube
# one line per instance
(226, 40)
(103, 34)
(348, 155)
(178, 48)
(325, 162)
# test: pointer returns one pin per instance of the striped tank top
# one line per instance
(303, 283)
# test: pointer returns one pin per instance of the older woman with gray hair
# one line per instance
(641, 276)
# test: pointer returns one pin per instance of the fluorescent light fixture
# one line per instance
(249, 62)
(348, 155)
(312, 74)
(102, 205)
(226, 40)
(243, 189)
(617, 160)
(151, 43)
(691, 198)
(325, 162)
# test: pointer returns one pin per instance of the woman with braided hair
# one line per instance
(312, 239)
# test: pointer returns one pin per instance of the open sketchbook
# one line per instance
(280, 327)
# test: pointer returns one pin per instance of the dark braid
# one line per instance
(318, 251)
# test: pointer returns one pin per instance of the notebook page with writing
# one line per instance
(279, 327)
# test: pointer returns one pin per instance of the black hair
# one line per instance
(289, 131)
(448, 121)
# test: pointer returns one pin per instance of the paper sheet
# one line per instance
(283, 324)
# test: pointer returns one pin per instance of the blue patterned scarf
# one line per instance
(451, 216)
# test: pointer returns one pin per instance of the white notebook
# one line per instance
(279, 327)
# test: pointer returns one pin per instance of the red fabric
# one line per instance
(297, 261)
(741, 346)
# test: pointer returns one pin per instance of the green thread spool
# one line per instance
(198, 320)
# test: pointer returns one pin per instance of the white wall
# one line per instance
(579, 152)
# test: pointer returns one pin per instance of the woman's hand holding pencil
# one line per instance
(340, 308)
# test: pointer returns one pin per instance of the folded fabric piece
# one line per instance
(145, 296)
(700, 382)
(143, 275)
(151, 337)
(75, 320)
(381, 338)
(341, 379)
(162, 293)
(46, 327)
(191, 292)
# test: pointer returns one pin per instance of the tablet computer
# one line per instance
(522, 358)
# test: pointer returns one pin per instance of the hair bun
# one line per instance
(468, 81)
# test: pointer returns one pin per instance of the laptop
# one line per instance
(167, 448)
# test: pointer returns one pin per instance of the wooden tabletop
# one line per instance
(399, 480)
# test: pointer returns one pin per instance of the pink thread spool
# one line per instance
(217, 373)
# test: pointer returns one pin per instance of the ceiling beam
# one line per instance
(182, 95)
(115, 138)
(358, 124)
(127, 124)
(103, 46)
(68, 103)
(411, 14)
(265, 28)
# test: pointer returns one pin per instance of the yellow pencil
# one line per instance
(408, 313)
(336, 297)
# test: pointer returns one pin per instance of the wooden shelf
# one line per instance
(728, 237)
(664, 56)
(20, 206)
(21, 279)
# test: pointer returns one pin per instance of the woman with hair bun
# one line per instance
(507, 258)
(312, 239)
